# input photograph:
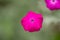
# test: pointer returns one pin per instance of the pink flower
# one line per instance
(32, 21)
(53, 4)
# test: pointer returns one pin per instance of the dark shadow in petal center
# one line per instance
(53, 0)
(32, 20)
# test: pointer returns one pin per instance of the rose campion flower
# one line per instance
(32, 21)
(53, 4)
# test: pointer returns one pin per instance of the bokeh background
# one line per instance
(11, 12)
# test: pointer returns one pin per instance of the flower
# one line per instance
(32, 21)
(53, 4)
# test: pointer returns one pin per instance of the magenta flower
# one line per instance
(32, 21)
(53, 4)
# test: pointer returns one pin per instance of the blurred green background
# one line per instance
(11, 12)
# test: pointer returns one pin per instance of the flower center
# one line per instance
(53, 1)
(32, 20)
